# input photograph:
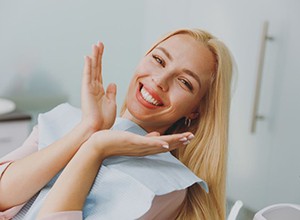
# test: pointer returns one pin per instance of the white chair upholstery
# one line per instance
(279, 212)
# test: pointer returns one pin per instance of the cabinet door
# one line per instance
(12, 135)
(264, 167)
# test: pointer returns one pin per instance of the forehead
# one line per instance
(189, 53)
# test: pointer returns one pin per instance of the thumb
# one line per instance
(153, 134)
(111, 92)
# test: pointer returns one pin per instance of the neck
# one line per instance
(145, 125)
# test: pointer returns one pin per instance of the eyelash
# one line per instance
(159, 60)
(187, 84)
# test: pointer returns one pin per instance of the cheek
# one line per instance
(145, 67)
(134, 78)
(132, 88)
(180, 98)
(184, 101)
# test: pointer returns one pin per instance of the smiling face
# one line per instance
(169, 83)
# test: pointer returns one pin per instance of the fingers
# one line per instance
(111, 92)
(158, 144)
(87, 69)
(97, 52)
(153, 134)
(99, 61)
(177, 140)
(187, 137)
(93, 70)
(138, 145)
(155, 145)
(130, 144)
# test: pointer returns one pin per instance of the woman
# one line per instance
(180, 88)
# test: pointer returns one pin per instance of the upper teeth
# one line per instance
(148, 97)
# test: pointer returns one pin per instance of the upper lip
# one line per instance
(153, 93)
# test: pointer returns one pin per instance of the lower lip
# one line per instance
(143, 101)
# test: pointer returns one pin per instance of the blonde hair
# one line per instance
(206, 155)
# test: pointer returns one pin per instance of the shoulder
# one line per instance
(61, 110)
(57, 122)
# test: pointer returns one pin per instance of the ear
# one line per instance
(193, 115)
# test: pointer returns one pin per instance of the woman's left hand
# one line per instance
(98, 106)
(108, 143)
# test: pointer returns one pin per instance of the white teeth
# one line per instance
(148, 97)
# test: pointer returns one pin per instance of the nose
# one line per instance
(161, 81)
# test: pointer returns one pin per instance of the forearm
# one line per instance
(24, 177)
(72, 187)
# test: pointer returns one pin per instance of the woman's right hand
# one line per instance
(98, 106)
(109, 143)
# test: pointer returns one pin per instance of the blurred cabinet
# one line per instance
(14, 129)
(263, 167)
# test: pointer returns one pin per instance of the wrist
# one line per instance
(87, 127)
(95, 148)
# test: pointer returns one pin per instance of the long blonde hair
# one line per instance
(206, 155)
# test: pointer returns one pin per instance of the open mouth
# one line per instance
(148, 97)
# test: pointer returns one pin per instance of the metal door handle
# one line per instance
(261, 58)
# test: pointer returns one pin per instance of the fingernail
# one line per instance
(186, 143)
(183, 139)
(191, 136)
(165, 146)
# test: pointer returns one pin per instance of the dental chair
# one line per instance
(282, 211)
(235, 210)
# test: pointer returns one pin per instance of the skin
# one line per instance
(71, 189)
(164, 73)
(84, 148)
(37, 169)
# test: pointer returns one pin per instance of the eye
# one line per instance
(159, 60)
(186, 83)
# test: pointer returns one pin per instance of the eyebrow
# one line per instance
(194, 75)
(165, 52)
(189, 72)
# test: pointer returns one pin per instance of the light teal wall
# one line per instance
(43, 44)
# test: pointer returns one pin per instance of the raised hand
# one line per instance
(98, 106)
(122, 143)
